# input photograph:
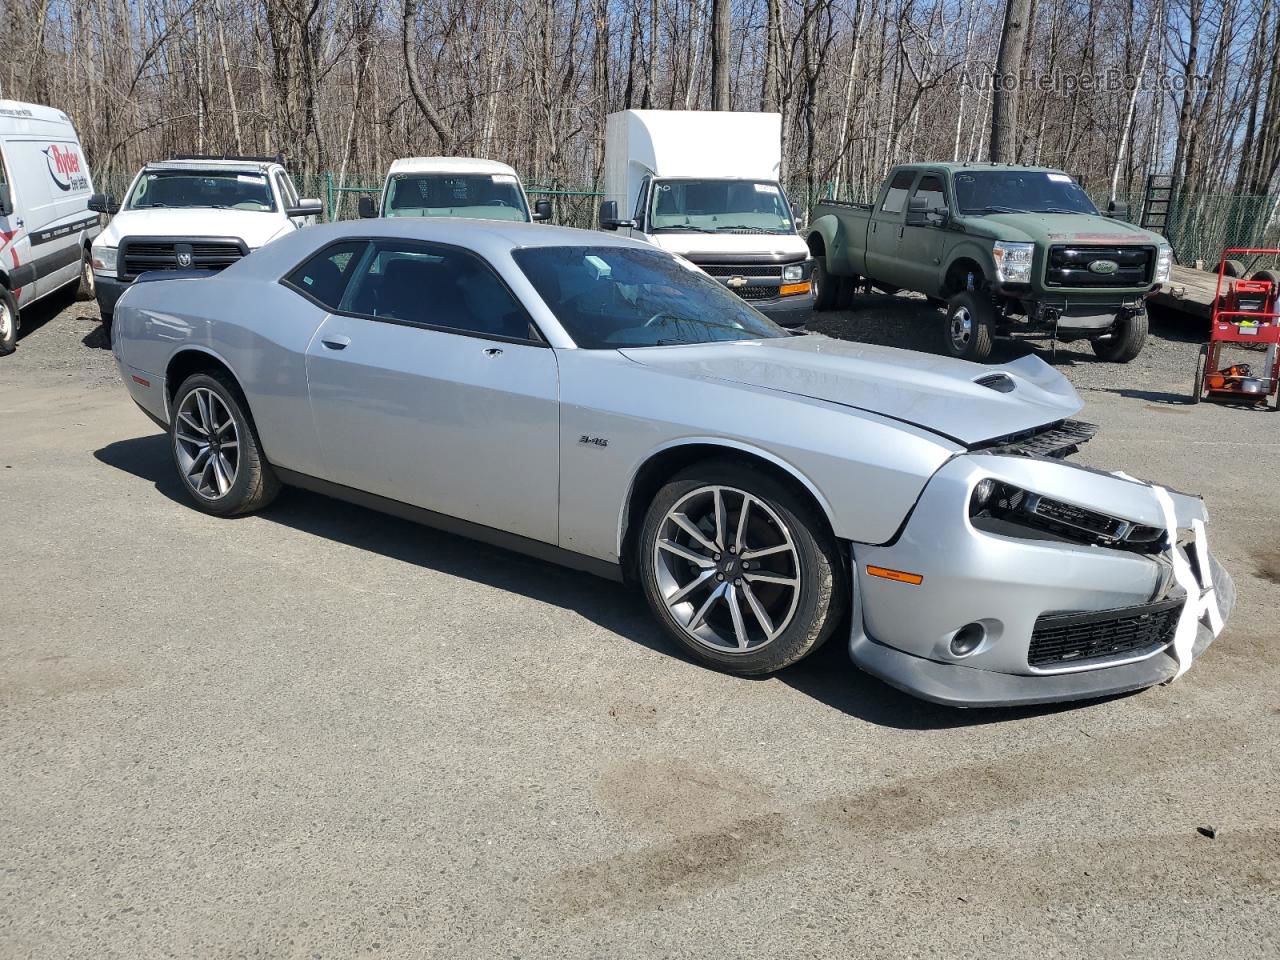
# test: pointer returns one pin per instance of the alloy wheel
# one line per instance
(727, 569)
(961, 328)
(207, 441)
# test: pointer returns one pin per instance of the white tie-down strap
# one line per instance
(1202, 601)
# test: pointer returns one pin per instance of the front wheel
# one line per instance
(1126, 341)
(88, 286)
(971, 318)
(216, 448)
(739, 570)
(8, 322)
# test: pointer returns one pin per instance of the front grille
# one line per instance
(1070, 638)
(1060, 439)
(769, 270)
(140, 255)
(1068, 266)
(757, 293)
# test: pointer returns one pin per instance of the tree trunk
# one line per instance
(1004, 99)
(721, 39)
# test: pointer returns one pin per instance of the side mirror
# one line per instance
(542, 210)
(1118, 210)
(103, 203)
(368, 210)
(305, 208)
(920, 214)
(6, 200)
(609, 216)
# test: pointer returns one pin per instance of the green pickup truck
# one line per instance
(1010, 251)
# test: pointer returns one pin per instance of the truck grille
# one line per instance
(1068, 266)
(138, 255)
(1070, 638)
(761, 279)
(772, 271)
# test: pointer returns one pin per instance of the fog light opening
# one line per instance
(967, 639)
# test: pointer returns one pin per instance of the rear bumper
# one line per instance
(1017, 590)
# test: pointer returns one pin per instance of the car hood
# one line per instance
(937, 393)
(1064, 228)
(254, 228)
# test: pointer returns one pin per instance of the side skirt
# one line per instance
(463, 528)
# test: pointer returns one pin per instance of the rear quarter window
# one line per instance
(324, 277)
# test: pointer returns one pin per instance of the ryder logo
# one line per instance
(64, 168)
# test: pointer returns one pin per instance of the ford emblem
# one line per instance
(1104, 266)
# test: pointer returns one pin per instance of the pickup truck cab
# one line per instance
(1010, 251)
(466, 187)
(46, 227)
(193, 213)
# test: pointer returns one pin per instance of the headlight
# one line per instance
(793, 271)
(995, 504)
(1013, 261)
(104, 259)
(1164, 263)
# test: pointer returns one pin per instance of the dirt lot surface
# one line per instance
(321, 732)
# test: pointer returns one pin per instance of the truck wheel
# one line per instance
(825, 287)
(88, 288)
(970, 320)
(8, 322)
(845, 294)
(1127, 339)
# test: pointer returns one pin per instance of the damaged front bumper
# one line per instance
(1012, 613)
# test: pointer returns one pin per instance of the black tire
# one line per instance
(255, 483)
(1270, 276)
(1233, 268)
(845, 294)
(1197, 387)
(826, 288)
(8, 322)
(822, 592)
(87, 288)
(1127, 339)
(968, 333)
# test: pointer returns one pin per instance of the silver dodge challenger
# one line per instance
(597, 402)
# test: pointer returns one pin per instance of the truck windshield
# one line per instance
(220, 189)
(475, 196)
(719, 206)
(1020, 191)
(614, 297)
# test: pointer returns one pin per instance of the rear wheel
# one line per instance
(216, 449)
(8, 322)
(825, 287)
(739, 570)
(1126, 341)
(88, 288)
(969, 327)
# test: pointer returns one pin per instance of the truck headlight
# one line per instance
(1164, 263)
(1013, 261)
(792, 272)
(104, 259)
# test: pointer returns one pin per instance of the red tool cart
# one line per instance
(1246, 321)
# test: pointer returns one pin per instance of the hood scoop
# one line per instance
(999, 382)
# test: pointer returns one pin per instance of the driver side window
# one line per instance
(930, 189)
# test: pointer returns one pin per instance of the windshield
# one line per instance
(719, 206)
(612, 297)
(180, 188)
(475, 196)
(1020, 191)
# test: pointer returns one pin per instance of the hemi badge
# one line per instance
(138, 379)
(898, 576)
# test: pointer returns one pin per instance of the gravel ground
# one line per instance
(321, 732)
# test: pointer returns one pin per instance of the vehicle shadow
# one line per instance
(42, 311)
(827, 676)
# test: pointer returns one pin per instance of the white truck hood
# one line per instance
(253, 227)
(938, 393)
(686, 244)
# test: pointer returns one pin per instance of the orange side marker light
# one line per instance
(898, 576)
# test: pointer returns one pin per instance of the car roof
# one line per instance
(478, 234)
(448, 165)
(17, 110)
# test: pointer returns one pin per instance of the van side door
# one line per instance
(885, 233)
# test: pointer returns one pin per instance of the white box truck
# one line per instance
(704, 184)
(466, 187)
(46, 227)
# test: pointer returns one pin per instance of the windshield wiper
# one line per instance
(996, 209)
(684, 226)
(1060, 210)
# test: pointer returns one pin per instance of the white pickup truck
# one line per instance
(193, 213)
(465, 187)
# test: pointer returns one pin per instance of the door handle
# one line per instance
(493, 351)
(336, 342)
(901, 231)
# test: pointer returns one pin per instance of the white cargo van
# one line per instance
(454, 187)
(46, 227)
(704, 184)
